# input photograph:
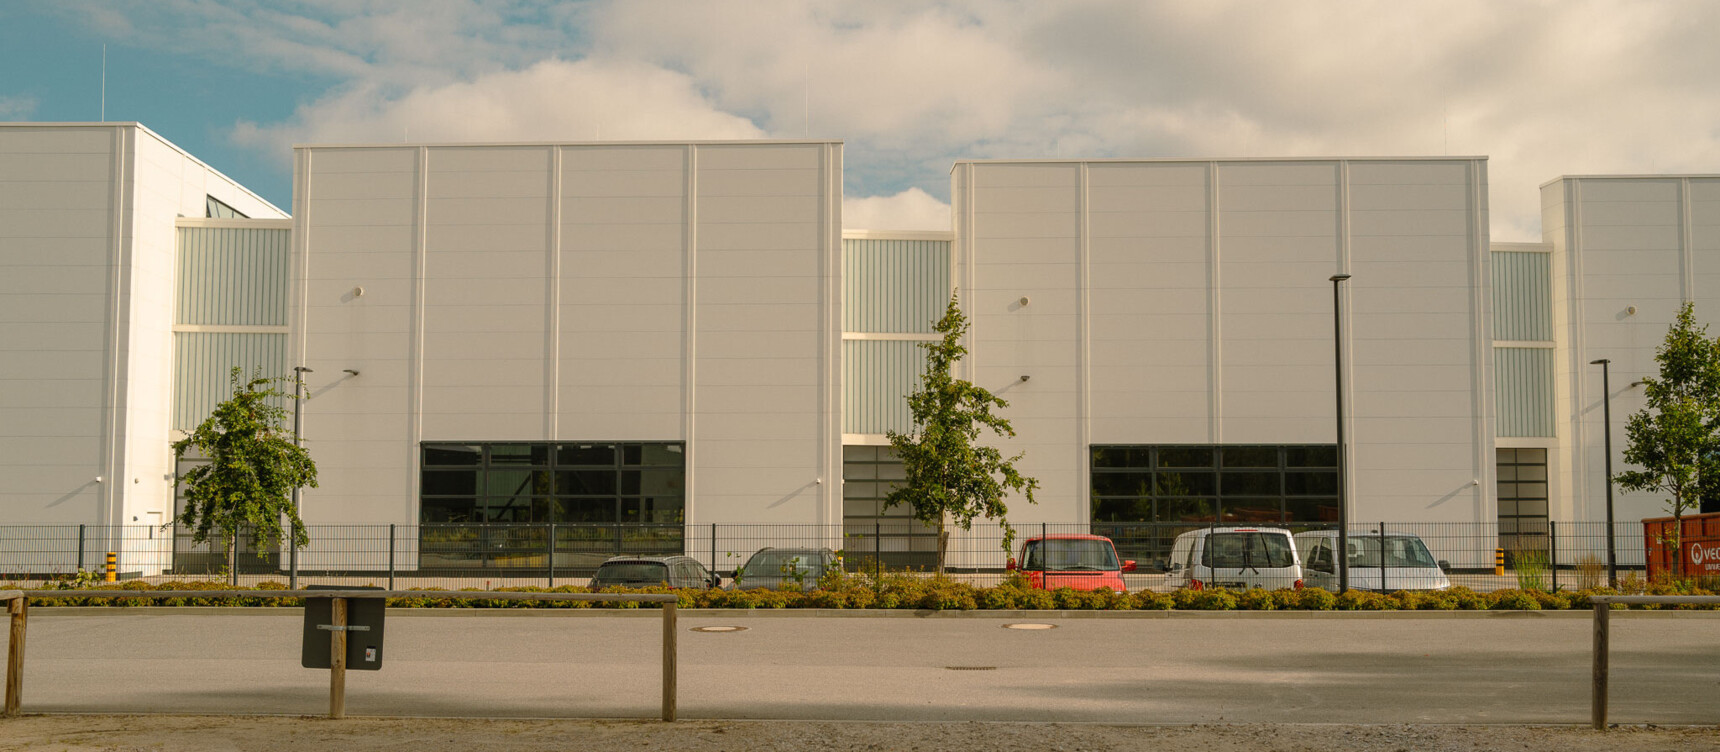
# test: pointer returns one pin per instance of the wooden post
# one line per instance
(19, 608)
(669, 661)
(1599, 692)
(337, 662)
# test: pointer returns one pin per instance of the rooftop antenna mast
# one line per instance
(104, 84)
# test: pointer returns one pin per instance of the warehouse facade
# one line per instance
(665, 336)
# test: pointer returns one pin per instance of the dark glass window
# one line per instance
(592, 483)
(1206, 483)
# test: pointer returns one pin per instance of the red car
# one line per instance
(1082, 562)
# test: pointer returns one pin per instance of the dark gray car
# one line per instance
(786, 568)
(654, 571)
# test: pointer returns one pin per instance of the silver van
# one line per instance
(1234, 557)
(1399, 561)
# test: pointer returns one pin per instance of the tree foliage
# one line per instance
(951, 480)
(1674, 438)
(253, 468)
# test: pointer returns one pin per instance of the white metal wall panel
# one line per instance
(233, 276)
(203, 363)
(485, 292)
(1522, 296)
(877, 377)
(1523, 391)
(622, 298)
(57, 247)
(894, 286)
(1150, 273)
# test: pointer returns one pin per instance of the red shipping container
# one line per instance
(1698, 544)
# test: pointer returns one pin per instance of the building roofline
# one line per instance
(163, 139)
(236, 223)
(1504, 245)
(445, 144)
(1655, 176)
(947, 235)
(1220, 160)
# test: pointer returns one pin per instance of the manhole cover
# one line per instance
(1030, 625)
(719, 629)
(971, 668)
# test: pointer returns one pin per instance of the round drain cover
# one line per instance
(719, 629)
(1030, 625)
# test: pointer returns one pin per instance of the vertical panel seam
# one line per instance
(1686, 248)
(1084, 347)
(689, 335)
(1480, 348)
(552, 322)
(1214, 311)
(415, 387)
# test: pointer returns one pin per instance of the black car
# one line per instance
(654, 571)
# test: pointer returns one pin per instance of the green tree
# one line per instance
(253, 468)
(1673, 439)
(951, 479)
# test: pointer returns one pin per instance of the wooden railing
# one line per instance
(1603, 607)
(18, 604)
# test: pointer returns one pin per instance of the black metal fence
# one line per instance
(1570, 555)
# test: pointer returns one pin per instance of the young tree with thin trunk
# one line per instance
(950, 479)
(1674, 439)
(253, 467)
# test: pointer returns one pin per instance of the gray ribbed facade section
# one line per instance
(202, 362)
(232, 276)
(877, 376)
(1523, 391)
(894, 286)
(1522, 296)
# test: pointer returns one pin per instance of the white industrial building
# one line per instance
(655, 338)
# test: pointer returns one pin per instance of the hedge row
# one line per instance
(938, 594)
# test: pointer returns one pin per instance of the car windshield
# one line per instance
(649, 572)
(1403, 551)
(783, 563)
(1057, 555)
(1247, 550)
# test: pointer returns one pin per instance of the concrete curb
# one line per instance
(789, 613)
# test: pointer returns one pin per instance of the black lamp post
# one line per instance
(1343, 500)
(1606, 431)
(298, 397)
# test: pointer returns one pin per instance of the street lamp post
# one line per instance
(1606, 431)
(293, 543)
(1343, 498)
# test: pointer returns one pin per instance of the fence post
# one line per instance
(1598, 693)
(1553, 554)
(19, 608)
(549, 546)
(80, 548)
(337, 661)
(669, 661)
(877, 556)
(390, 556)
(713, 547)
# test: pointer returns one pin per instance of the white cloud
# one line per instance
(912, 209)
(1543, 89)
(554, 100)
(17, 108)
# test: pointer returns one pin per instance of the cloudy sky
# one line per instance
(1542, 88)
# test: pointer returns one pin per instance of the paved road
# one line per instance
(1183, 669)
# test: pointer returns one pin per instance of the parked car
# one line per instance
(785, 569)
(654, 571)
(1082, 562)
(1407, 563)
(1234, 557)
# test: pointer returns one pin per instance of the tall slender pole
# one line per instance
(292, 541)
(1606, 433)
(1343, 498)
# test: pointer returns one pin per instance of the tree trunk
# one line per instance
(233, 559)
(943, 541)
(1677, 541)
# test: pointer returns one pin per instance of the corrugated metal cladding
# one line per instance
(1523, 390)
(894, 286)
(1522, 296)
(877, 376)
(202, 362)
(233, 276)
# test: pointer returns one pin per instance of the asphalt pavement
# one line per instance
(1123, 668)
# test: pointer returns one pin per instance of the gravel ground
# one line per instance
(69, 733)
